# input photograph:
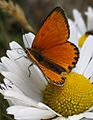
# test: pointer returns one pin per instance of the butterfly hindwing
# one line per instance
(52, 76)
(65, 55)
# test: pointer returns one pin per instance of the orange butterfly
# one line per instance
(51, 51)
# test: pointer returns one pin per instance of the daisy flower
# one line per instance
(33, 98)
(84, 30)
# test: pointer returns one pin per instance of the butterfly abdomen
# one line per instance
(47, 63)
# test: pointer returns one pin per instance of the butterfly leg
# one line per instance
(29, 68)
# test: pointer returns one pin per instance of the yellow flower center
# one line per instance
(82, 40)
(74, 97)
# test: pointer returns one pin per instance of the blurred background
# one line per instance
(35, 12)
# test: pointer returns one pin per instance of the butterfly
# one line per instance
(51, 51)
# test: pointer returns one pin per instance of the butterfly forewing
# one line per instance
(54, 31)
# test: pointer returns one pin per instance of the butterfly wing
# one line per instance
(51, 41)
(51, 75)
(54, 31)
(65, 55)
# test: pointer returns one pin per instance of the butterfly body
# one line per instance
(51, 51)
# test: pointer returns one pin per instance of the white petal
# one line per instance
(13, 67)
(76, 117)
(89, 14)
(23, 63)
(39, 79)
(10, 94)
(73, 32)
(22, 112)
(79, 21)
(28, 39)
(11, 86)
(45, 106)
(90, 109)
(2, 87)
(16, 47)
(26, 87)
(89, 70)
(16, 55)
(88, 115)
(91, 79)
(85, 55)
(2, 67)
(20, 68)
(60, 118)
(10, 65)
